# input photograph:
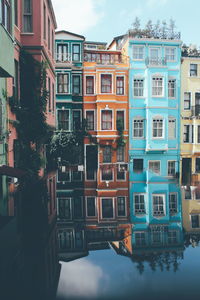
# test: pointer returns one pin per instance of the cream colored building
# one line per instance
(190, 121)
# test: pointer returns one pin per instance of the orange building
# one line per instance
(105, 106)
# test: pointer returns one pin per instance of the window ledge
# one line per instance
(27, 33)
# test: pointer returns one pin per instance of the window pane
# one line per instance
(107, 208)
(91, 208)
(106, 83)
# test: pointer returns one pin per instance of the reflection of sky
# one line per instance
(106, 275)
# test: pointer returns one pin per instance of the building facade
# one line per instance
(190, 121)
(105, 106)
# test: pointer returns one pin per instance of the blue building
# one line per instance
(154, 115)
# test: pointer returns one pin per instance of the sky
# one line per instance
(101, 20)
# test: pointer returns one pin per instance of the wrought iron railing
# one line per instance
(155, 61)
(104, 58)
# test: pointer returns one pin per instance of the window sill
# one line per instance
(27, 33)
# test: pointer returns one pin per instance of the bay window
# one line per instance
(120, 85)
(89, 85)
(157, 87)
(90, 119)
(62, 83)
(63, 120)
(158, 205)
(76, 52)
(106, 120)
(106, 83)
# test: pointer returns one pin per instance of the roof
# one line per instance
(72, 33)
(97, 43)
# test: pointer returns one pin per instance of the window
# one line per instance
(121, 175)
(78, 207)
(138, 52)
(172, 88)
(49, 90)
(5, 14)
(195, 221)
(52, 41)
(121, 206)
(106, 120)
(120, 85)
(64, 208)
(76, 52)
(138, 87)
(140, 239)
(171, 168)
(198, 134)
(76, 119)
(76, 84)
(27, 16)
(89, 85)
(188, 133)
(158, 205)
(172, 237)
(157, 87)
(156, 236)
(107, 154)
(197, 194)
(107, 174)
(44, 20)
(138, 128)
(120, 154)
(170, 54)
(154, 55)
(197, 165)
(154, 166)
(53, 97)
(90, 120)
(138, 165)
(90, 174)
(106, 83)
(120, 120)
(65, 239)
(188, 194)
(91, 206)
(62, 83)
(107, 208)
(187, 100)
(172, 128)
(157, 128)
(76, 175)
(49, 35)
(16, 12)
(173, 203)
(139, 204)
(62, 52)
(64, 174)
(63, 120)
(193, 69)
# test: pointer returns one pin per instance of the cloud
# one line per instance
(78, 15)
(74, 283)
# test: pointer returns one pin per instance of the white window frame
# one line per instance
(112, 89)
(69, 83)
(80, 94)
(138, 213)
(172, 212)
(175, 53)
(190, 133)
(94, 111)
(125, 198)
(163, 127)
(171, 175)
(138, 120)
(195, 76)
(80, 44)
(103, 109)
(118, 75)
(152, 161)
(86, 206)
(164, 205)
(110, 180)
(69, 118)
(151, 59)
(113, 203)
(70, 201)
(157, 87)
(138, 47)
(190, 100)
(85, 81)
(139, 89)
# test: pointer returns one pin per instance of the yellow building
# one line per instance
(190, 121)
(191, 209)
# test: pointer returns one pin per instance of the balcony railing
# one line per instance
(104, 58)
(196, 110)
(155, 61)
(63, 57)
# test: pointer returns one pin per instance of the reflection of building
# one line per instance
(191, 209)
(106, 149)
(190, 121)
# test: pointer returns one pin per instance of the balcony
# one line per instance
(196, 110)
(104, 58)
(150, 62)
